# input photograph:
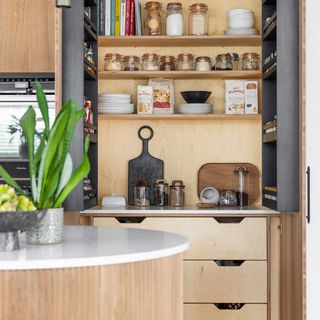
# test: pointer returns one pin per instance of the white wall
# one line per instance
(313, 157)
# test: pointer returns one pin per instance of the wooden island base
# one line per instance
(147, 290)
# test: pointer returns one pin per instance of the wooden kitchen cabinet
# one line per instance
(27, 36)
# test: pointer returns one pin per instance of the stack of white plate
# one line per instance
(195, 108)
(241, 22)
(115, 103)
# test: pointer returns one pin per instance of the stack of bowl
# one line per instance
(241, 22)
(195, 102)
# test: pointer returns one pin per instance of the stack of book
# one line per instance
(120, 17)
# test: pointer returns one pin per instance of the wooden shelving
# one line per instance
(88, 74)
(227, 117)
(180, 74)
(271, 73)
(269, 137)
(271, 32)
(182, 41)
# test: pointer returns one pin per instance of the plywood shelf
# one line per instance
(107, 75)
(256, 117)
(182, 41)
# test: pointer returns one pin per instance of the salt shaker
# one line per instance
(177, 193)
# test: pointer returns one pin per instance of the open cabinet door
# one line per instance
(313, 159)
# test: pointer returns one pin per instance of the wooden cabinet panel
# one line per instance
(246, 240)
(206, 282)
(27, 35)
(210, 312)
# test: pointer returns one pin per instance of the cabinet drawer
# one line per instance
(206, 281)
(211, 311)
(209, 239)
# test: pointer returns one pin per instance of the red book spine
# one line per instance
(128, 5)
(131, 29)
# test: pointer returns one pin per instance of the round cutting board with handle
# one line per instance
(145, 167)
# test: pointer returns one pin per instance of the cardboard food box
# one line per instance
(251, 97)
(145, 100)
(234, 99)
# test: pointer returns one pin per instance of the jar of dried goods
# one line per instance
(153, 18)
(250, 61)
(131, 63)
(174, 21)
(223, 62)
(185, 62)
(235, 60)
(161, 193)
(167, 63)
(112, 62)
(150, 62)
(141, 194)
(203, 64)
(198, 19)
(177, 193)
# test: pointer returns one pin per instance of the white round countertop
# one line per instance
(94, 246)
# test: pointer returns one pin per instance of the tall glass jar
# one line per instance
(174, 21)
(150, 62)
(177, 193)
(241, 183)
(161, 193)
(198, 19)
(112, 62)
(153, 18)
(185, 62)
(141, 194)
(131, 63)
(167, 63)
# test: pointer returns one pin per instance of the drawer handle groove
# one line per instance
(130, 219)
(229, 306)
(228, 219)
(229, 263)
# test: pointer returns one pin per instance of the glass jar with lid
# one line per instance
(150, 62)
(185, 62)
(112, 62)
(153, 18)
(141, 194)
(131, 63)
(223, 62)
(203, 64)
(177, 193)
(167, 63)
(250, 61)
(174, 20)
(161, 193)
(235, 60)
(198, 19)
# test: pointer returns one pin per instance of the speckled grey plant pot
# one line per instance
(49, 230)
(13, 221)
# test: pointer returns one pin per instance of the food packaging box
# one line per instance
(145, 100)
(163, 95)
(234, 99)
(251, 97)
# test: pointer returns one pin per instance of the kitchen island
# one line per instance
(95, 273)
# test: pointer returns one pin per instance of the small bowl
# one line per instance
(196, 96)
(13, 221)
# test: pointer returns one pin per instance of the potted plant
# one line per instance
(51, 171)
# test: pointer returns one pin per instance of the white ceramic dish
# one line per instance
(114, 101)
(237, 11)
(115, 95)
(209, 195)
(241, 31)
(116, 111)
(116, 108)
(195, 108)
(241, 23)
(116, 104)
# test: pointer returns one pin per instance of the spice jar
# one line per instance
(241, 176)
(223, 62)
(198, 19)
(177, 193)
(141, 194)
(250, 61)
(185, 62)
(167, 63)
(203, 64)
(131, 63)
(228, 198)
(174, 21)
(161, 193)
(150, 62)
(112, 62)
(153, 18)
(235, 61)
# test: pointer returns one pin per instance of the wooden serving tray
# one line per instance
(221, 177)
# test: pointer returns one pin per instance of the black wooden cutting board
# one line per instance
(145, 167)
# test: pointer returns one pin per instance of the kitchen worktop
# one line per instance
(176, 211)
(92, 246)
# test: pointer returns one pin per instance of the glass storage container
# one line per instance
(141, 194)
(174, 20)
(241, 179)
(167, 63)
(150, 62)
(235, 61)
(177, 193)
(131, 63)
(153, 18)
(185, 62)
(228, 198)
(112, 62)
(198, 19)
(223, 62)
(161, 193)
(203, 64)
(250, 61)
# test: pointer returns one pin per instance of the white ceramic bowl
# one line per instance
(209, 195)
(241, 23)
(237, 11)
(241, 31)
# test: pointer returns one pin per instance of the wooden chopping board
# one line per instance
(221, 177)
(145, 167)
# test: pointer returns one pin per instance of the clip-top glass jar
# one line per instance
(131, 63)
(250, 61)
(223, 62)
(185, 62)
(153, 18)
(203, 64)
(174, 21)
(112, 62)
(177, 193)
(198, 19)
(161, 193)
(141, 194)
(150, 62)
(167, 63)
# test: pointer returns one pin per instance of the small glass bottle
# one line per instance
(161, 193)
(198, 19)
(167, 63)
(177, 193)
(131, 63)
(153, 18)
(174, 21)
(141, 194)
(150, 62)
(112, 62)
(185, 62)
(241, 178)
(203, 64)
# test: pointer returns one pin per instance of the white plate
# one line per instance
(117, 108)
(114, 101)
(115, 95)
(237, 11)
(113, 105)
(116, 112)
(241, 31)
(196, 109)
(195, 105)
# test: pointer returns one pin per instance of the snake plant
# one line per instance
(50, 164)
